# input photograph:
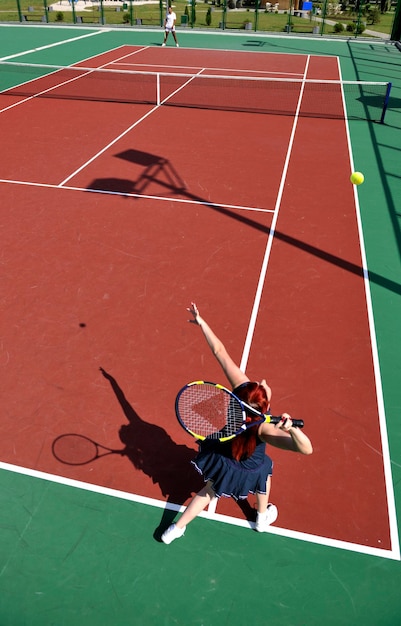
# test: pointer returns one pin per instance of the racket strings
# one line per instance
(210, 412)
(235, 418)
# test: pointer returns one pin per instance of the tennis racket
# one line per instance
(210, 411)
(72, 449)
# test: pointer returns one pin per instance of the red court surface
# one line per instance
(117, 216)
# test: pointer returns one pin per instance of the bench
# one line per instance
(88, 20)
(34, 18)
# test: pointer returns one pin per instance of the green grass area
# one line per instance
(385, 24)
(149, 15)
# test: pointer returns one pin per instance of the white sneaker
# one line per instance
(163, 44)
(177, 45)
(172, 532)
(263, 520)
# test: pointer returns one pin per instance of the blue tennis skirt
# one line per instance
(231, 478)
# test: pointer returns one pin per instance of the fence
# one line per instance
(315, 18)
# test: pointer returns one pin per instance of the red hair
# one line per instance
(255, 395)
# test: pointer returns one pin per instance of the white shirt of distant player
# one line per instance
(170, 19)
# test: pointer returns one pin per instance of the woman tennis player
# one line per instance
(169, 26)
(239, 466)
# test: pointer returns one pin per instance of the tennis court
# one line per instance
(132, 183)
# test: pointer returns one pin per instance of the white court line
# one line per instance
(210, 514)
(214, 69)
(382, 420)
(375, 356)
(194, 201)
(187, 82)
(52, 45)
(126, 131)
(86, 72)
(263, 271)
(216, 517)
(44, 91)
(98, 154)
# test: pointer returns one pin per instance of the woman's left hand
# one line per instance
(193, 309)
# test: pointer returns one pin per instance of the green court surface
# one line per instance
(72, 557)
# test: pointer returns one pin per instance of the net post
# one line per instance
(158, 88)
(385, 103)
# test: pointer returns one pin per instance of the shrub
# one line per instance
(338, 28)
(209, 16)
(59, 16)
(385, 5)
(190, 13)
(373, 15)
(356, 28)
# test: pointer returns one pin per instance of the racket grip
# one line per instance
(298, 423)
(295, 423)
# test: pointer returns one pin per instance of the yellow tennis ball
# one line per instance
(357, 178)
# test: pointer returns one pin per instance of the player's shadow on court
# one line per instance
(151, 450)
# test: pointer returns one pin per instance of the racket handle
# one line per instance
(295, 423)
(298, 423)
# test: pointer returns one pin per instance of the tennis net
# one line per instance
(305, 97)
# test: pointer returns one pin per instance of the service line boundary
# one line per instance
(126, 194)
(216, 517)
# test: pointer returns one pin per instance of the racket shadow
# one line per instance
(151, 450)
(76, 449)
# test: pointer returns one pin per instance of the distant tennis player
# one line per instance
(239, 466)
(169, 26)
